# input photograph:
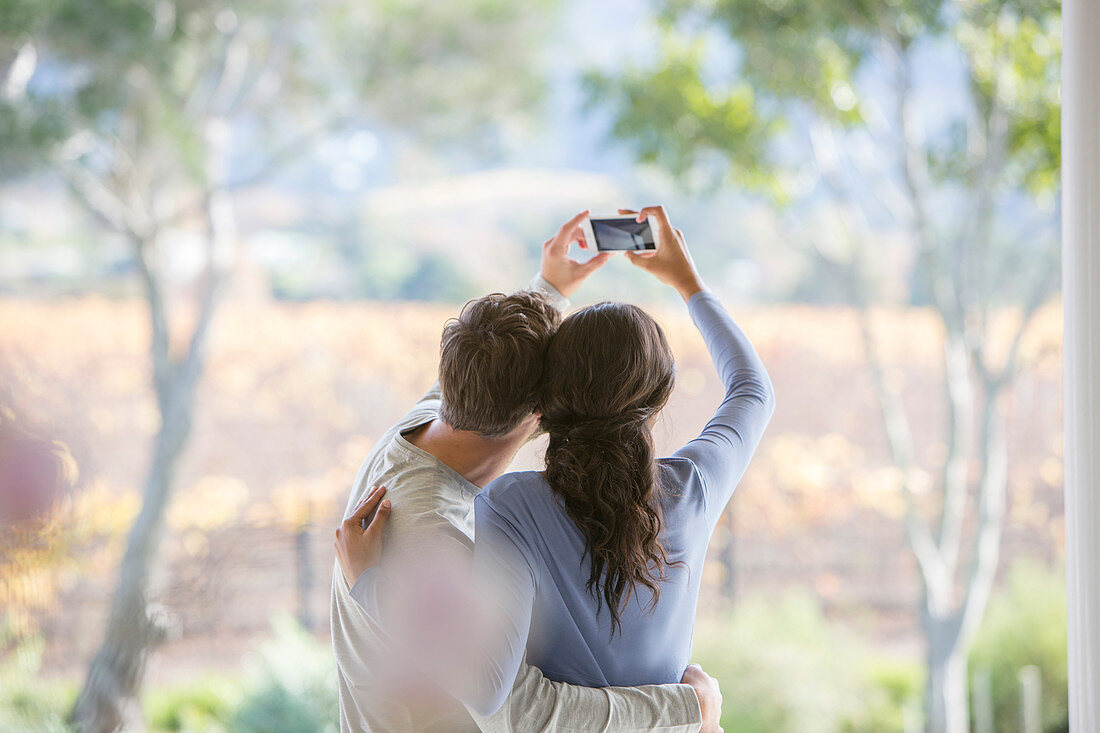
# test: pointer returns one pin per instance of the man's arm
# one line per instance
(539, 704)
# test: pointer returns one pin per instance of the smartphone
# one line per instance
(614, 233)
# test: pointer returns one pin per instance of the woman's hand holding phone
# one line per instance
(671, 262)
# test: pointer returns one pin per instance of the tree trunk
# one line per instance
(109, 697)
(983, 701)
(946, 691)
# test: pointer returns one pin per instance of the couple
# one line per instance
(574, 608)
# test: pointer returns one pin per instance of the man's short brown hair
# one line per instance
(491, 361)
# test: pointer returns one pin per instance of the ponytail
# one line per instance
(609, 372)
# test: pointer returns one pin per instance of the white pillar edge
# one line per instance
(1081, 303)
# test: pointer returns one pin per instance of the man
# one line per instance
(459, 437)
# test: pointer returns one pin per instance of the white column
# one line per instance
(1081, 300)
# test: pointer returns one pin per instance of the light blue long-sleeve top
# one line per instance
(536, 553)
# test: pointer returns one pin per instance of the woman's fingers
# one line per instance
(568, 227)
(362, 503)
(641, 259)
(379, 522)
(367, 506)
(569, 232)
(581, 240)
(596, 262)
(656, 211)
(369, 496)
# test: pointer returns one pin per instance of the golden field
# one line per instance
(294, 395)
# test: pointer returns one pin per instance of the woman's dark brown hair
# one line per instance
(608, 371)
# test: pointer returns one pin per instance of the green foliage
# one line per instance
(23, 136)
(806, 50)
(119, 63)
(198, 706)
(453, 70)
(679, 122)
(893, 686)
(731, 71)
(293, 686)
(1026, 625)
(435, 278)
(290, 687)
(27, 704)
(783, 667)
(23, 16)
(150, 80)
(1014, 55)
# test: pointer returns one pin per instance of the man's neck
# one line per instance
(477, 459)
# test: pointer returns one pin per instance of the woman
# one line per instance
(601, 554)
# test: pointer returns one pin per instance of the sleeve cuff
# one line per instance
(699, 297)
(693, 712)
(702, 302)
(541, 284)
(365, 591)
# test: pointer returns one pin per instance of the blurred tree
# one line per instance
(153, 113)
(820, 102)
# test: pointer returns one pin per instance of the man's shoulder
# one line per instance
(407, 473)
(404, 472)
(388, 458)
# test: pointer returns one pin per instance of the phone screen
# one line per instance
(624, 232)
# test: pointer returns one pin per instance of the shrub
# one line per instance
(289, 686)
(29, 704)
(1026, 625)
(292, 687)
(783, 667)
(199, 706)
(892, 688)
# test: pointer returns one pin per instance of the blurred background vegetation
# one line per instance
(231, 232)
